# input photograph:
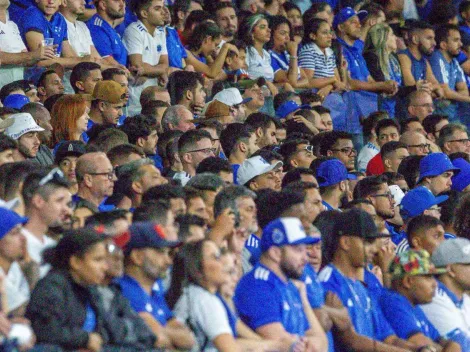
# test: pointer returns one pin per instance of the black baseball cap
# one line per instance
(356, 222)
(69, 148)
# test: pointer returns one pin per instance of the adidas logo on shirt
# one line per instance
(2, 32)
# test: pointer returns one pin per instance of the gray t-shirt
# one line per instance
(205, 314)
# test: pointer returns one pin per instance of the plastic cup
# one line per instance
(48, 42)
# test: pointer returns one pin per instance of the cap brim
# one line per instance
(351, 177)
(170, 244)
(306, 240)
(441, 199)
(246, 100)
(379, 235)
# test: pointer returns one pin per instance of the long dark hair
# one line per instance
(73, 243)
(311, 27)
(201, 32)
(274, 23)
(187, 269)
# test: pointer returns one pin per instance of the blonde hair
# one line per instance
(376, 42)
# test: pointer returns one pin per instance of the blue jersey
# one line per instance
(252, 244)
(176, 51)
(405, 319)
(106, 40)
(17, 9)
(262, 298)
(367, 320)
(35, 20)
(315, 292)
(373, 284)
(235, 168)
(141, 301)
(418, 67)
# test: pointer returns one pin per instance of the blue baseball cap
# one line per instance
(148, 235)
(15, 101)
(345, 14)
(288, 107)
(462, 179)
(331, 172)
(284, 232)
(416, 201)
(10, 219)
(435, 164)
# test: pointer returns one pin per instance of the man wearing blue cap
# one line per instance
(362, 98)
(435, 173)
(267, 299)
(12, 244)
(333, 179)
(147, 259)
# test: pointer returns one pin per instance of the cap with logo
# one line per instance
(413, 262)
(148, 235)
(109, 91)
(416, 201)
(23, 123)
(435, 164)
(332, 172)
(345, 14)
(285, 232)
(69, 148)
(357, 223)
(253, 167)
(289, 107)
(453, 251)
(10, 220)
(462, 179)
(231, 97)
(15, 101)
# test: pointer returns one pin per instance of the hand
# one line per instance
(378, 274)
(390, 87)
(438, 92)
(45, 53)
(301, 287)
(292, 47)
(5, 324)
(163, 80)
(424, 85)
(231, 47)
(95, 341)
(308, 124)
(385, 257)
(298, 346)
(323, 92)
(340, 86)
(340, 318)
(224, 226)
(197, 109)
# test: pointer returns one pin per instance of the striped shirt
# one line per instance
(312, 58)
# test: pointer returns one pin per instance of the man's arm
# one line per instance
(150, 71)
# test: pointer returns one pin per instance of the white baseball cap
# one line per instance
(397, 193)
(23, 123)
(231, 97)
(253, 167)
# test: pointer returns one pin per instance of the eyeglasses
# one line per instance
(308, 149)
(386, 195)
(348, 151)
(463, 141)
(207, 151)
(111, 174)
(420, 146)
(438, 209)
(56, 174)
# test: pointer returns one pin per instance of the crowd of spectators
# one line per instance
(234, 175)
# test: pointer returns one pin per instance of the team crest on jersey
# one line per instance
(278, 236)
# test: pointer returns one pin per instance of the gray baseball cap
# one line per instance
(452, 251)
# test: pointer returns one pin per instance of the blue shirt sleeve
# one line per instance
(101, 40)
(275, 65)
(400, 315)
(435, 62)
(257, 303)
(33, 20)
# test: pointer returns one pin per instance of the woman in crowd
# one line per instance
(320, 10)
(255, 32)
(283, 51)
(69, 118)
(294, 15)
(380, 54)
(202, 306)
(317, 58)
(202, 48)
(64, 309)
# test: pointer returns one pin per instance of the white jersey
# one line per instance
(10, 42)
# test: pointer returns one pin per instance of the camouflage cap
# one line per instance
(413, 262)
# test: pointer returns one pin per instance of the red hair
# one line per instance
(64, 116)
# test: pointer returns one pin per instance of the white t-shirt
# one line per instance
(16, 287)
(259, 66)
(36, 247)
(138, 40)
(365, 155)
(443, 313)
(205, 314)
(79, 37)
(10, 42)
